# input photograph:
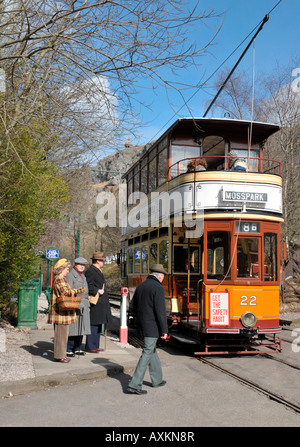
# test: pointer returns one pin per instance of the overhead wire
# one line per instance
(215, 71)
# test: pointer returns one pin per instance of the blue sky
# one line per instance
(278, 42)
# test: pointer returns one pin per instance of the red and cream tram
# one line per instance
(216, 231)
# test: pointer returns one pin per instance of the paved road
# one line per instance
(195, 396)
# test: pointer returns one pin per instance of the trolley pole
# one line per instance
(123, 316)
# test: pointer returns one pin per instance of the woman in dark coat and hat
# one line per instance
(100, 312)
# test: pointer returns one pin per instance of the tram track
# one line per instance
(271, 395)
(280, 360)
(137, 341)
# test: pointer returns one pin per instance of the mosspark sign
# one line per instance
(247, 196)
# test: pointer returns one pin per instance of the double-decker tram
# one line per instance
(205, 203)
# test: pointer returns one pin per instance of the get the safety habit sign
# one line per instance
(219, 309)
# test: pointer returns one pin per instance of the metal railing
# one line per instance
(221, 163)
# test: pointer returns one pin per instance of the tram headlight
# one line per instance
(248, 319)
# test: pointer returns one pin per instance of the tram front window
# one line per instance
(270, 257)
(247, 257)
(218, 255)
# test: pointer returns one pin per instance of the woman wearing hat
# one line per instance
(236, 163)
(81, 327)
(60, 319)
(100, 312)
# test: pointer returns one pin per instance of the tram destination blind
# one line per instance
(247, 227)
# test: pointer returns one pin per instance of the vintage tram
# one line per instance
(217, 231)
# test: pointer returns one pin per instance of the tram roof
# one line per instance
(230, 129)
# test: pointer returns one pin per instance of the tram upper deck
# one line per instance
(171, 165)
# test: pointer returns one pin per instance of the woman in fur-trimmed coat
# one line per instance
(60, 319)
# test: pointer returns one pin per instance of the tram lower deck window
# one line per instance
(218, 255)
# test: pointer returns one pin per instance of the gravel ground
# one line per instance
(16, 360)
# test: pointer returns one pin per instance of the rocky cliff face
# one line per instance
(112, 167)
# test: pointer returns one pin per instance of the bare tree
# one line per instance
(282, 106)
(77, 65)
(237, 98)
(275, 101)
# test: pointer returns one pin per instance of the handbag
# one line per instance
(70, 302)
(93, 299)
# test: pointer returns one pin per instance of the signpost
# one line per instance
(123, 316)
(52, 254)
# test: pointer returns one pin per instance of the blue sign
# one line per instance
(52, 253)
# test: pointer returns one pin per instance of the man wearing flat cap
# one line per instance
(150, 309)
(81, 327)
(100, 312)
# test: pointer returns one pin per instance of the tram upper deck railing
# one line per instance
(221, 163)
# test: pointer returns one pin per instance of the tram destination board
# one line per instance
(247, 227)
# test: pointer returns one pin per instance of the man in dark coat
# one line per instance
(150, 309)
(100, 312)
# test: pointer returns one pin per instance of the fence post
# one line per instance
(123, 316)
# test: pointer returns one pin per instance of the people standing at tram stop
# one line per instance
(150, 310)
(100, 312)
(82, 326)
(236, 163)
(60, 318)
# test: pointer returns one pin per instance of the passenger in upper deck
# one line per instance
(199, 164)
(236, 163)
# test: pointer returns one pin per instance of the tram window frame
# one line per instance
(253, 163)
(211, 250)
(270, 269)
(145, 259)
(152, 168)
(164, 260)
(182, 157)
(177, 267)
(136, 178)
(129, 187)
(137, 259)
(123, 260)
(130, 260)
(152, 259)
(162, 164)
(251, 258)
(213, 149)
(144, 175)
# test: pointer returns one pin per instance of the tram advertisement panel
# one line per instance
(219, 309)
